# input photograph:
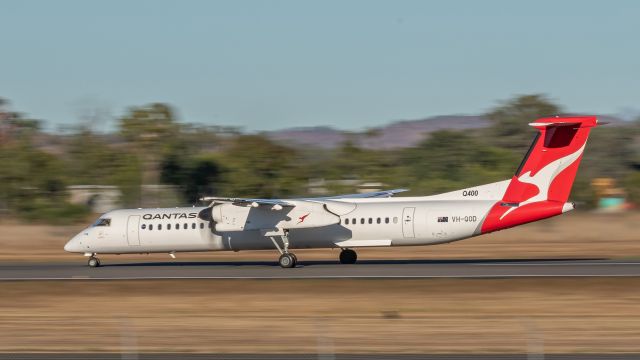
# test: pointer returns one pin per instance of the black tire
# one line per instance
(348, 256)
(286, 261)
(93, 262)
(295, 259)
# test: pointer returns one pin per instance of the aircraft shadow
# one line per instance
(360, 262)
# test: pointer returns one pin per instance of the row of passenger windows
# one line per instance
(185, 226)
(354, 221)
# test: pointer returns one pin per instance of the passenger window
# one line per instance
(159, 226)
(395, 220)
(193, 225)
(361, 220)
(168, 226)
(150, 226)
(201, 225)
(185, 226)
(177, 226)
(144, 226)
(353, 221)
(346, 221)
(386, 220)
(370, 221)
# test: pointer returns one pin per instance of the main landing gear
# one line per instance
(287, 259)
(93, 262)
(348, 256)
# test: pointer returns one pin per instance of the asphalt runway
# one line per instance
(498, 268)
(169, 356)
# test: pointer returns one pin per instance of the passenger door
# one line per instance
(407, 222)
(133, 228)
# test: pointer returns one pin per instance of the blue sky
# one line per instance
(266, 65)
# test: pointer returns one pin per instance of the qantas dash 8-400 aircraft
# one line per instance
(539, 189)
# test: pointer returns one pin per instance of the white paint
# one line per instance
(363, 243)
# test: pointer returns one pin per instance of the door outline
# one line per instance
(407, 222)
(133, 230)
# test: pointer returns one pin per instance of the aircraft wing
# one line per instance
(250, 202)
(278, 204)
(373, 194)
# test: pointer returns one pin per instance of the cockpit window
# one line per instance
(102, 222)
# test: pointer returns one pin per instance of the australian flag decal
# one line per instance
(443, 219)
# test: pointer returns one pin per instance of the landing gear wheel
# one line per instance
(287, 260)
(348, 256)
(93, 262)
(295, 259)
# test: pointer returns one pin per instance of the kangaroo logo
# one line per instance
(302, 218)
(543, 178)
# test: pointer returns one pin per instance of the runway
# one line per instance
(377, 269)
(170, 356)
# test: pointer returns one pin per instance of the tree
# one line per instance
(91, 160)
(149, 126)
(256, 167)
(32, 185)
(151, 131)
(449, 160)
(195, 176)
(510, 119)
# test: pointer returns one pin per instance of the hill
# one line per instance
(395, 135)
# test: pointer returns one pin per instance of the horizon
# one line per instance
(66, 128)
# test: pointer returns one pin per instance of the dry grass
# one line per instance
(571, 235)
(302, 316)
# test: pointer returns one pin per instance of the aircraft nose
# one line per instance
(73, 245)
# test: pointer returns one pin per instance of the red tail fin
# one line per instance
(542, 183)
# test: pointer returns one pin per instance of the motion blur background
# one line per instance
(157, 103)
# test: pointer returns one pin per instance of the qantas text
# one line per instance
(170, 216)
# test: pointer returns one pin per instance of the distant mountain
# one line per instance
(409, 133)
(396, 135)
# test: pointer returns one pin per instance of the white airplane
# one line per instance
(539, 189)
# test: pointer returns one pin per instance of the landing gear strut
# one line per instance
(93, 262)
(348, 256)
(287, 259)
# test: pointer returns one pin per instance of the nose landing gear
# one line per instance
(348, 256)
(93, 262)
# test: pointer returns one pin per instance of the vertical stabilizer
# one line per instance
(542, 184)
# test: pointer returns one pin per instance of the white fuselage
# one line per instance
(344, 223)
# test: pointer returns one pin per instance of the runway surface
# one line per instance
(116, 356)
(499, 268)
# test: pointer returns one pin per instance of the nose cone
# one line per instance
(73, 245)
